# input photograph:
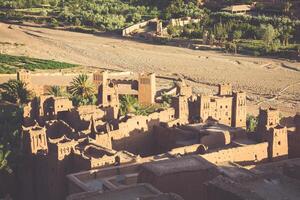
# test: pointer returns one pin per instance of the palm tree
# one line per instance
(55, 90)
(128, 104)
(82, 87)
(15, 91)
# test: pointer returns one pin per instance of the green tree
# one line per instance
(220, 33)
(128, 104)
(285, 33)
(267, 34)
(81, 86)
(82, 90)
(173, 31)
(55, 90)
(15, 91)
(251, 122)
(237, 34)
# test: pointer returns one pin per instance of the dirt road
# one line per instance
(258, 76)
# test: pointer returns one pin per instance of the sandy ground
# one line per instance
(260, 77)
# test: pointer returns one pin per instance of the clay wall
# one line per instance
(278, 143)
(30, 113)
(147, 89)
(204, 107)
(180, 104)
(135, 135)
(268, 118)
(34, 139)
(223, 110)
(294, 138)
(193, 189)
(239, 110)
(57, 129)
(127, 31)
(225, 89)
(216, 140)
(190, 149)
(80, 118)
(183, 21)
(244, 155)
(62, 104)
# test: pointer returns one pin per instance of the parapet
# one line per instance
(225, 89)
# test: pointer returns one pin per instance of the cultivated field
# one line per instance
(262, 78)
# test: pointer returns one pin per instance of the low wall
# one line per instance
(244, 155)
(127, 31)
(183, 21)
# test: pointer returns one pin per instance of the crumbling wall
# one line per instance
(183, 21)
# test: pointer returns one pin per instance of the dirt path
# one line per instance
(204, 69)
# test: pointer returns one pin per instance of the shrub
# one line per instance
(251, 122)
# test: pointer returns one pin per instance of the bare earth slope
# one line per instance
(255, 75)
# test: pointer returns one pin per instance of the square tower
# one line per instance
(107, 92)
(204, 111)
(225, 89)
(239, 110)
(24, 76)
(180, 104)
(268, 118)
(35, 139)
(278, 143)
(146, 89)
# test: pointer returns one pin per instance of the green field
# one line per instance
(10, 64)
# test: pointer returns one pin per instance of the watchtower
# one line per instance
(268, 118)
(278, 143)
(107, 93)
(147, 89)
(180, 104)
(24, 76)
(204, 102)
(239, 110)
(35, 139)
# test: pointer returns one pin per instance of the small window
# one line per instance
(109, 98)
(279, 143)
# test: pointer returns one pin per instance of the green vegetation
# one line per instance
(15, 91)
(104, 15)
(251, 122)
(227, 30)
(130, 104)
(11, 119)
(9, 64)
(82, 91)
(255, 35)
(56, 91)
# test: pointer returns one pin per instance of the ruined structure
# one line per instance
(191, 147)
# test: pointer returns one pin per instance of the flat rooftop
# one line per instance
(267, 181)
(129, 193)
(174, 165)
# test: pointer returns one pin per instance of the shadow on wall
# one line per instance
(139, 141)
